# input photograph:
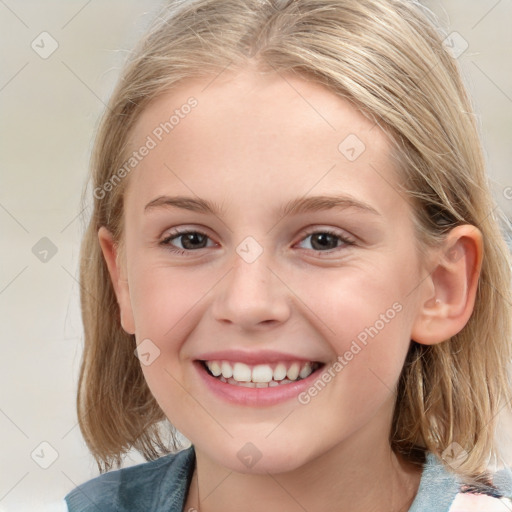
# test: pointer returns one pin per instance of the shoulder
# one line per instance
(491, 497)
(477, 502)
(441, 490)
(142, 487)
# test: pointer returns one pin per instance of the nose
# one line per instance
(251, 296)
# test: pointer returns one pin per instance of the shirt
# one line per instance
(162, 485)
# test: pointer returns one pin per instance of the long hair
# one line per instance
(387, 58)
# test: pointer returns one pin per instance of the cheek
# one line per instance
(355, 302)
(163, 298)
(370, 340)
(362, 315)
(167, 305)
(164, 301)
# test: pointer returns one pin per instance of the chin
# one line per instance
(262, 458)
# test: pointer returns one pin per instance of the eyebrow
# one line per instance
(295, 206)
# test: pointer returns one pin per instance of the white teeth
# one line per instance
(247, 384)
(214, 368)
(241, 372)
(293, 371)
(305, 371)
(262, 373)
(280, 372)
(227, 370)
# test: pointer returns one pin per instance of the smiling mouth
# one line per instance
(260, 375)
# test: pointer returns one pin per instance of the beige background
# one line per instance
(49, 110)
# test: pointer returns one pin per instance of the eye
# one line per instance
(183, 242)
(326, 240)
(188, 241)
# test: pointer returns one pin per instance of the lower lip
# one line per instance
(255, 397)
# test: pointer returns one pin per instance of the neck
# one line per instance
(352, 476)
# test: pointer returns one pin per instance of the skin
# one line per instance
(254, 142)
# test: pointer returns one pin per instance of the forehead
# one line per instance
(256, 137)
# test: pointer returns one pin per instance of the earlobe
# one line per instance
(117, 273)
(451, 287)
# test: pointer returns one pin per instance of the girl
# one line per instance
(293, 258)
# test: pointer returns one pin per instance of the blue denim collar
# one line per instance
(157, 486)
(163, 484)
(438, 487)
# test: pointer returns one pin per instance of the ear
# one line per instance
(450, 288)
(117, 270)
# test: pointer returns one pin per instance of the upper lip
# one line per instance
(253, 358)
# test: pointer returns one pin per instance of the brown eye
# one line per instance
(186, 241)
(193, 240)
(326, 240)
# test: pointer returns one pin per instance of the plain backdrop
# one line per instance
(50, 106)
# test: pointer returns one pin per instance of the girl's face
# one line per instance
(265, 236)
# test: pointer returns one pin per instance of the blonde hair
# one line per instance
(387, 58)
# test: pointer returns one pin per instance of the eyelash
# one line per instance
(345, 241)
